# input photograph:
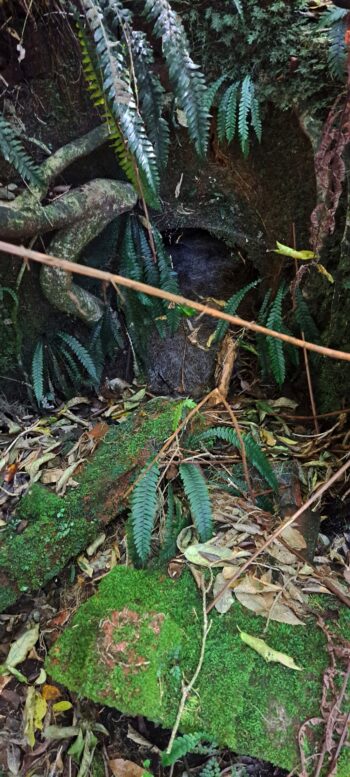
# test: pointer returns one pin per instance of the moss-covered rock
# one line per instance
(133, 643)
(61, 527)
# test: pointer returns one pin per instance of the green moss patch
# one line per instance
(59, 528)
(133, 643)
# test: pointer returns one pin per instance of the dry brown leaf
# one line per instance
(281, 554)
(123, 768)
(252, 585)
(294, 538)
(52, 475)
(226, 600)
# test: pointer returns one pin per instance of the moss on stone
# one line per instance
(61, 527)
(243, 702)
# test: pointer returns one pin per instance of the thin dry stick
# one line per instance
(188, 688)
(311, 391)
(280, 530)
(241, 442)
(153, 291)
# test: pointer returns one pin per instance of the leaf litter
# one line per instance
(277, 587)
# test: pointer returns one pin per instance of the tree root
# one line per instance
(77, 217)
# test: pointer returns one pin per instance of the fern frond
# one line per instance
(168, 280)
(38, 372)
(13, 152)
(243, 113)
(304, 318)
(151, 96)
(256, 117)
(337, 52)
(111, 55)
(212, 91)
(94, 84)
(277, 362)
(70, 365)
(187, 81)
(197, 493)
(182, 746)
(143, 511)
(231, 307)
(211, 769)
(81, 354)
(254, 453)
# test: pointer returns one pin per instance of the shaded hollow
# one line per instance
(207, 270)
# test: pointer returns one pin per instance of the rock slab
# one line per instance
(133, 644)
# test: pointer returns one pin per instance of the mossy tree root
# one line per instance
(76, 217)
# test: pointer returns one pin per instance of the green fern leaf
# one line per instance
(38, 372)
(256, 117)
(304, 318)
(111, 54)
(187, 81)
(212, 769)
(337, 52)
(254, 453)
(12, 150)
(143, 511)
(277, 362)
(243, 113)
(196, 490)
(81, 353)
(238, 6)
(231, 307)
(182, 746)
(151, 96)
(212, 91)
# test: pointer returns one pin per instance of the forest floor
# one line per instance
(51, 449)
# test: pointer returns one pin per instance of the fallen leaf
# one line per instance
(267, 437)
(294, 538)
(225, 601)
(96, 544)
(20, 649)
(206, 554)
(123, 768)
(321, 269)
(62, 706)
(34, 712)
(267, 652)
(292, 253)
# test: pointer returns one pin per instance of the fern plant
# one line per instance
(231, 307)
(188, 743)
(144, 504)
(137, 262)
(334, 21)
(12, 150)
(238, 111)
(254, 454)
(118, 67)
(59, 364)
(270, 350)
(196, 490)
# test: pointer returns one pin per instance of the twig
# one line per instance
(280, 530)
(222, 399)
(188, 688)
(153, 291)
(311, 391)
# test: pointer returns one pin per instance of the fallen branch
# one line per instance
(177, 299)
